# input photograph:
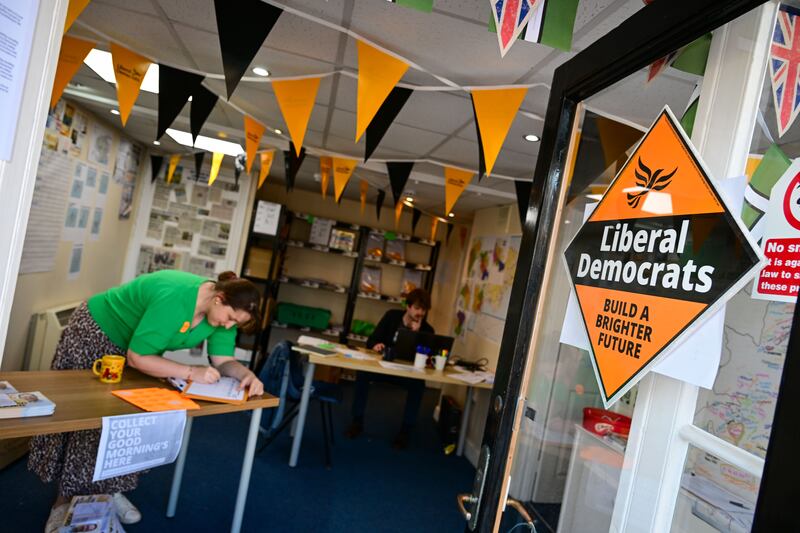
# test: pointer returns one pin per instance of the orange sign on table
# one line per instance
(156, 399)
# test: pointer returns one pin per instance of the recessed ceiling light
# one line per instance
(115, 111)
(532, 138)
(409, 198)
(451, 215)
(278, 132)
(260, 71)
(157, 143)
(206, 143)
(190, 98)
(100, 62)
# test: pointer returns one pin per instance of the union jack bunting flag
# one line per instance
(510, 17)
(784, 64)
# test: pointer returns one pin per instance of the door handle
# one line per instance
(463, 499)
(517, 505)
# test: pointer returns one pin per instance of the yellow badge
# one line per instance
(185, 327)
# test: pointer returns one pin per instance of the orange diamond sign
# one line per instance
(660, 253)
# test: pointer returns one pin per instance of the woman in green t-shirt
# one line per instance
(155, 313)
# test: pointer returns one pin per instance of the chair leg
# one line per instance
(325, 436)
(330, 421)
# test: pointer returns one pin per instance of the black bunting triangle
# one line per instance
(198, 163)
(384, 118)
(398, 176)
(203, 101)
(415, 215)
(174, 89)
(449, 231)
(156, 162)
(523, 197)
(242, 27)
(291, 163)
(379, 203)
(481, 157)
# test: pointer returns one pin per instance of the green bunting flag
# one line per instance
(426, 6)
(694, 56)
(552, 23)
(756, 197)
(687, 120)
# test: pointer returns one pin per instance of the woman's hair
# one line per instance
(240, 294)
(420, 298)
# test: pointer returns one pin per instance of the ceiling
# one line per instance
(453, 41)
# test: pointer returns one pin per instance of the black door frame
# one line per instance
(651, 33)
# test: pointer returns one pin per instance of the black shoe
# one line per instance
(355, 429)
(401, 440)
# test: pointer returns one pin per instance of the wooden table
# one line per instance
(82, 401)
(373, 365)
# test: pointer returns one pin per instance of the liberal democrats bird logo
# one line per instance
(646, 181)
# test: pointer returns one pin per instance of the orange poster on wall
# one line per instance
(660, 253)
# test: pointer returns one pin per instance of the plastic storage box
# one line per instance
(300, 315)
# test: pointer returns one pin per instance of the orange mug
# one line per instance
(110, 370)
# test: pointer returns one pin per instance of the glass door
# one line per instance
(684, 449)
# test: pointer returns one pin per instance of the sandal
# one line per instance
(56, 518)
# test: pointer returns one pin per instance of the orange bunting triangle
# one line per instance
(398, 210)
(378, 73)
(70, 58)
(216, 162)
(75, 8)
(129, 71)
(266, 164)
(495, 110)
(364, 190)
(342, 170)
(173, 164)
(296, 99)
(455, 181)
(253, 130)
(325, 167)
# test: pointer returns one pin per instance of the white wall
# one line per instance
(101, 266)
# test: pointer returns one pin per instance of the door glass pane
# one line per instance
(568, 460)
(740, 407)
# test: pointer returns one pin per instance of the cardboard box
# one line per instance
(258, 262)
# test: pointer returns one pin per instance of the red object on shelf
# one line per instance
(602, 422)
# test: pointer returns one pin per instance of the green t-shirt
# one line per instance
(153, 314)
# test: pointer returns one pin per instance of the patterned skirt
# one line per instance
(69, 458)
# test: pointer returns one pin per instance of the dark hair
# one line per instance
(240, 294)
(420, 298)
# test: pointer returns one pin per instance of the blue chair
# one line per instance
(282, 375)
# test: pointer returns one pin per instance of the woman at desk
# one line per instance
(142, 319)
(418, 303)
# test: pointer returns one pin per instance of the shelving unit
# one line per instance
(285, 269)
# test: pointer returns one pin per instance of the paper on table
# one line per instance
(398, 366)
(311, 341)
(224, 390)
(354, 354)
(469, 377)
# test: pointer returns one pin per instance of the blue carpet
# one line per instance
(371, 486)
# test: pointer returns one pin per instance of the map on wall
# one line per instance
(741, 406)
(486, 287)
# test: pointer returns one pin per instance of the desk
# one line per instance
(82, 401)
(373, 365)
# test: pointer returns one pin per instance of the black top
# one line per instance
(386, 330)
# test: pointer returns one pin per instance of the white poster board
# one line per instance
(130, 443)
(17, 21)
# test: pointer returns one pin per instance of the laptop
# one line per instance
(405, 348)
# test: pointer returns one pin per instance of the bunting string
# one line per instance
(448, 87)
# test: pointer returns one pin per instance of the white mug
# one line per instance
(439, 361)
(420, 360)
